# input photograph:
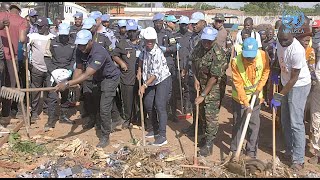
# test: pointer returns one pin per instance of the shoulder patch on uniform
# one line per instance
(97, 62)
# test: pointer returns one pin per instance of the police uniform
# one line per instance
(74, 29)
(106, 79)
(209, 64)
(183, 40)
(63, 57)
(110, 34)
(223, 40)
(167, 40)
(129, 53)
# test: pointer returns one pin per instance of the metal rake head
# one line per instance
(12, 93)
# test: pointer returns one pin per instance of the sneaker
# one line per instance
(150, 134)
(160, 141)
(297, 167)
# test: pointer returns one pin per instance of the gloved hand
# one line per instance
(178, 46)
(275, 104)
(274, 79)
(164, 49)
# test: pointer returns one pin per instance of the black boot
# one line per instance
(90, 122)
(64, 119)
(117, 122)
(104, 141)
(49, 124)
(126, 124)
(206, 150)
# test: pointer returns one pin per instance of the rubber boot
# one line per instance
(206, 150)
(49, 124)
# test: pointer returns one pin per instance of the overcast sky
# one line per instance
(240, 4)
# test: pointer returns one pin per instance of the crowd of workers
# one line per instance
(108, 62)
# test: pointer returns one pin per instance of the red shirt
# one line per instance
(17, 23)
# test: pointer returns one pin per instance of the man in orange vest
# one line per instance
(250, 71)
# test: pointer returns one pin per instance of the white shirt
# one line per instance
(154, 63)
(37, 46)
(293, 56)
(258, 38)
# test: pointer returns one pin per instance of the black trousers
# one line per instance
(91, 95)
(38, 79)
(130, 96)
(173, 91)
(8, 80)
(108, 92)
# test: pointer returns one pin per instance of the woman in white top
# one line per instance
(156, 86)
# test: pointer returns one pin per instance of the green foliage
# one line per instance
(203, 6)
(24, 146)
(186, 6)
(275, 8)
(170, 4)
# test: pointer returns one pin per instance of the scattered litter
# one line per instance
(176, 157)
(312, 175)
(162, 175)
(116, 145)
(64, 173)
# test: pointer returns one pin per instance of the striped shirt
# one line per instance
(154, 63)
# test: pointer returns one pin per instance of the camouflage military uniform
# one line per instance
(206, 65)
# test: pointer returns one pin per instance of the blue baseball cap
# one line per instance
(33, 13)
(64, 29)
(83, 37)
(184, 20)
(78, 15)
(158, 17)
(197, 16)
(95, 14)
(122, 23)
(88, 23)
(250, 48)
(49, 21)
(105, 17)
(209, 33)
(132, 25)
(170, 18)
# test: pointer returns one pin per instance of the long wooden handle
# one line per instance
(274, 113)
(13, 58)
(244, 130)
(142, 117)
(196, 131)
(179, 79)
(27, 85)
(43, 89)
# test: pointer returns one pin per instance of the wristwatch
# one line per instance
(203, 94)
(67, 84)
(145, 85)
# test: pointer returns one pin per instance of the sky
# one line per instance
(240, 4)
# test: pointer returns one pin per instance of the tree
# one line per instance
(134, 4)
(262, 8)
(170, 4)
(203, 6)
(186, 6)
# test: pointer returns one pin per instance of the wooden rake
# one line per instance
(195, 164)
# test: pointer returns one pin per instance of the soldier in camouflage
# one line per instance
(198, 23)
(208, 62)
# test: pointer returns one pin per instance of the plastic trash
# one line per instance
(86, 173)
(64, 173)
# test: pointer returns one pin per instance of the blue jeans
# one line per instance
(155, 101)
(292, 115)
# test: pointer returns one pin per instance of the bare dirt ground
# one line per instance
(178, 143)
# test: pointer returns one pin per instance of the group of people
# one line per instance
(116, 66)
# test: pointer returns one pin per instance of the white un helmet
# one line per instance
(60, 75)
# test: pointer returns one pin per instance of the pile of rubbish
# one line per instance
(78, 159)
